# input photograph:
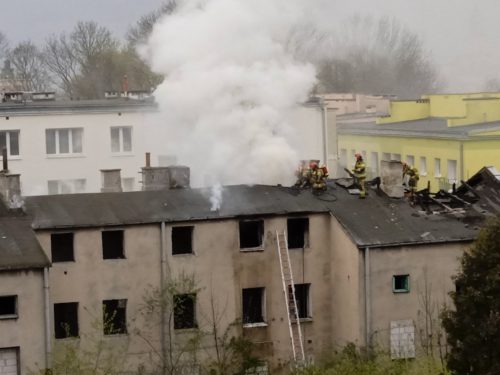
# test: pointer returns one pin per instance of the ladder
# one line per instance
(290, 300)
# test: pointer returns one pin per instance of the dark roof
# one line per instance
(177, 205)
(77, 106)
(428, 128)
(19, 247)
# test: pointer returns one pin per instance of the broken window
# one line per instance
(8, 307)
(251, 233)
(302, 298)
(185, 311)
(253, 305)
(297, 233)
(114, 316)
(401, 283)
(61, 245)
(112, 244)
(66, 320)
(182, 240)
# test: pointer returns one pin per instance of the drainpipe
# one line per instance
(325, 132)
(48, 342)
(367, 299)
(163, 276)
(462, 169)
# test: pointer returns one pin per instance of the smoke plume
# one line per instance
(230, 83)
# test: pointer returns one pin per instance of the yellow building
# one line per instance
(447, 137)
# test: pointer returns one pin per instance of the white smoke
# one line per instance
(230, 84)
(216, 197)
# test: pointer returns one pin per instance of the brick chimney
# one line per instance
(10, 189)
(111, 181)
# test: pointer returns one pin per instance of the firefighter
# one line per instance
(413, 177)
(360, 173)
(303, 175)
(318, 177)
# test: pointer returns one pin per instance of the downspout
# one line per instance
(46, 302)
(462, 169)
(325, 132)
(367, 299)
(163, 277)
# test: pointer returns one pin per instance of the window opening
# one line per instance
(182, 240)
(297, 233)
(8, 307)
(184, 311)
(61, 245)
(251, 233)
(66, 320)
(302, 298)
(112, 244)
(253, 305)
(115, 316)
(401, 283)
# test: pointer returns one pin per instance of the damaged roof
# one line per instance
(19, 247)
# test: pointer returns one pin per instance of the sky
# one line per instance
(461, 36)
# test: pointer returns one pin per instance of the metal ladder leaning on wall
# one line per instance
(290, 300)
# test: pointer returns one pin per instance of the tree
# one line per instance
(376, 56)
(473, 328)
(28, 67)
(4, 45)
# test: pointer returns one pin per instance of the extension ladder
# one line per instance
(290, 300)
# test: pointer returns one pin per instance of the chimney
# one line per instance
(178, 176)
(10, 189)
(391, 172)
(155, 178)
(111, 181)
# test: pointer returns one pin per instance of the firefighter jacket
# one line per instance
(360, 169)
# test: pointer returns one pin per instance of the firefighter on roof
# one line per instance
(413, 177)
(318, 177)
(360, 173)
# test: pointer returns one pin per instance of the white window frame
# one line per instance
(70, 141)
(437, 167)
(7, 143)
(374, 163)
(120, 140)
(71, 183)
(452, 167)
(410, 159)
(423, 166)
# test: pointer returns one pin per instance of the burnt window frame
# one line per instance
(61, 259)
(109, 256)
(175, 243)
(395, 282)
(182, 322)
(248, 319)
(303, 305)
(70, 330)
(305, 234)
(261, 232)
(112, 313)
(15, 313)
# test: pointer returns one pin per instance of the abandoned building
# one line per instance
(361, 268)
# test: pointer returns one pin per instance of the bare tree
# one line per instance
(59, 59)
(4, 45)
(29, 71)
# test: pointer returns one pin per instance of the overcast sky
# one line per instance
(463, 36)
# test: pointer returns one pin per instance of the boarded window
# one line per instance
(115, 316)
(8, 307)
(253, 305)
(297, 233)
(66, 320)
(182, 240)
(185, 311)
(402, 339)
(302, 298)
(112, 244)
(251, 233)
(401, 283)
(61, 245)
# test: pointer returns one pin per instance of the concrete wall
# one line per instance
(428, 266)
(27, 331)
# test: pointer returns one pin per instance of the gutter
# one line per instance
(325, 133)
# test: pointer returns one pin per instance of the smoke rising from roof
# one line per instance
(230, 84)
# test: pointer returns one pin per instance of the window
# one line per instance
(437, 167)
(374, 164)
(253, 305)
(121, 139)
(297, 233)
(401, 283)
(396, 157)
(61, 245)
(343, 158)
(402, 339)
(114, 316)
(10, 140)
(452, 171)
(251, 234)
(182, 240)
(66, 186)
(423, 166)
(8, 307)
(386, 156)
(63, 141)
(66, 320)
(112, 244)
(184, 311)
(410, 159)
(302, 298)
